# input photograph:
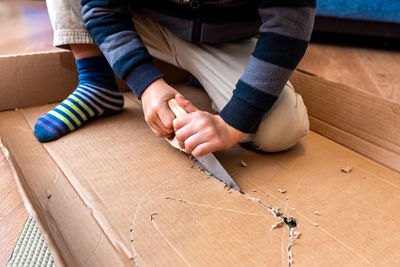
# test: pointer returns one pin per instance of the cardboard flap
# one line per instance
(364, 122)
(36, 79)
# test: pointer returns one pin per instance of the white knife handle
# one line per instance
(178, 111)
(174, 106)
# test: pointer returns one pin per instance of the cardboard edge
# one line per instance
(61, 51)
(372, 151)
(22, 78)
(376, 147)
(55, 253)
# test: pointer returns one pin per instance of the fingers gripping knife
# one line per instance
(208, 162)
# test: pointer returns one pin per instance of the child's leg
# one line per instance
(97, 95)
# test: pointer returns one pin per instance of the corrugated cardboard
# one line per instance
(34, 79)
(366, 123)
(113, 194)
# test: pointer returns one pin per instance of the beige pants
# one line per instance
(217, 67)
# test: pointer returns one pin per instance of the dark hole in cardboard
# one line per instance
(291, 222)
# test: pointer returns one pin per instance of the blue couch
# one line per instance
(365, 17)
(379, 10)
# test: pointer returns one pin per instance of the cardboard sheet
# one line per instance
(113, 194)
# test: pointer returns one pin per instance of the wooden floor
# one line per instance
(373, 70)
(25, 28)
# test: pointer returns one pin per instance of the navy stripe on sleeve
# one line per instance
(142, 76)
(280, 50)
(131, 59)
(261, 100)
(250, 103)
(103, 27)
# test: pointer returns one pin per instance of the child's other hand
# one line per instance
(200, 132)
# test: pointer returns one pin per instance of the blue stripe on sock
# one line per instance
(90, 95)
(284, 51)
(105, 109)
(82, 120)
(88, 104)
(94, 65)
(79, 106)
(50, 125)
(91, 86)
(102, 92)
(59, 121)
(62, 113)
(101, 98)
(101, 80)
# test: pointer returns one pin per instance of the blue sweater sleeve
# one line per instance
(110, 24)
(284, 36)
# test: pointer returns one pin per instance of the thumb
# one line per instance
(185, 104)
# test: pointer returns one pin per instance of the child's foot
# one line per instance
(97, 95)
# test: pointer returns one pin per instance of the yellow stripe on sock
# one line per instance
(63, 119)
(89, 110)
(72, 105)
(70, 114)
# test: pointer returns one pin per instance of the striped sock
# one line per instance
(97, 95)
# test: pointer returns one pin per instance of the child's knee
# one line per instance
(284, 125)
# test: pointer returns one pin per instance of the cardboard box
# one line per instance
(366, 123)
(113, 194)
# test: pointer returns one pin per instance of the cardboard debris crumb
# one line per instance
(282, 191)
(277, 225)
(346, 169)
(362, 176)
(244, 164)
(316, 212)
(152, 215)
(316, 224)
(293, 209)
(227, 187)
(253, 190)
(297, 235)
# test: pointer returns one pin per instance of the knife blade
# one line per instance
(208, 162)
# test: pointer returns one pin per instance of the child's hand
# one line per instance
(200, 132)
(157, 113)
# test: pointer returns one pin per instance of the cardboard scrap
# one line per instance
(346, 169)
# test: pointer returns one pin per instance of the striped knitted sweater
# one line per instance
(283, 26)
